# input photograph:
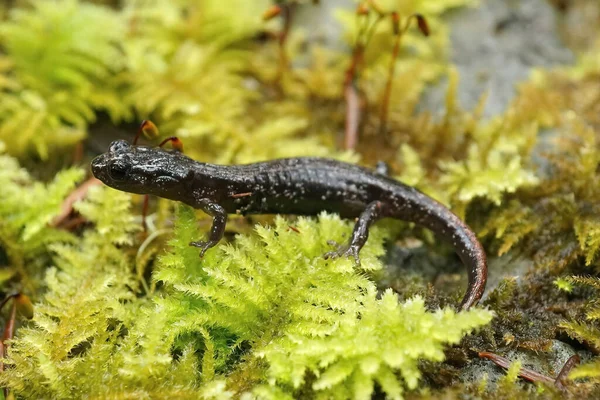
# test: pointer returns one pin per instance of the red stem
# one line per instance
(352, 117)
(145, 213)
(385, 102)
(9, 331)
(352, 100)
(139, 132)
(78, 153)
(287, 11)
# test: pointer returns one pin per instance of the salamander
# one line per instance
(301, 186)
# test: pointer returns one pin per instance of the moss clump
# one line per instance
(26, 209)
(54, 81)
(258, 316)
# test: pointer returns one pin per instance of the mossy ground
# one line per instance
(121, 313)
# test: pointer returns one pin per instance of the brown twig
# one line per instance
(145, 213)
(78, 153)
(398, 33)
(352, 116)
(238, 195)
(76, 195)
(72, 223)
(531, 375)
(385, 102)
(351, 95)
(366, 29)
(573, 361)
(286, 11)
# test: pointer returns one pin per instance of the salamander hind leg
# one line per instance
(218, 225)
(360, 234)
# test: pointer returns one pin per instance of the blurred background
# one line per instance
(230, 77)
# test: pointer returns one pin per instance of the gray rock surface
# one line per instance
(495, 46)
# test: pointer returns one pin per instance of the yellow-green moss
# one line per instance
(265, 315)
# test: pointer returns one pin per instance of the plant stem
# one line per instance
(385, 102)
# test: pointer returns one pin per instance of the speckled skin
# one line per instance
(303, 186)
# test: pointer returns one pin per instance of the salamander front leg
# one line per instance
(360, 234)
(218, 225)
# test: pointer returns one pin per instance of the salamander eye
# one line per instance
(118, 171)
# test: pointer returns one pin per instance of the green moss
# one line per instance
(268, 308)
(53, 81)
(26, 209)
(555, 223)
(585, 331)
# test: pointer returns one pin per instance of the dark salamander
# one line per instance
(303, 186)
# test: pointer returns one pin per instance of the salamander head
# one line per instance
(145, 170)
